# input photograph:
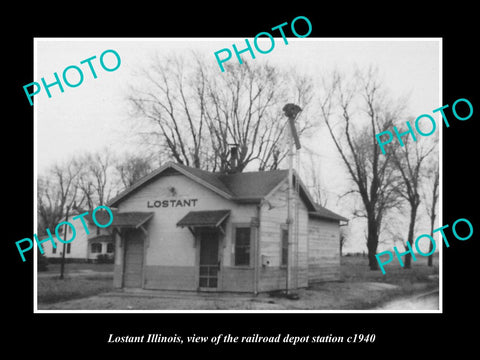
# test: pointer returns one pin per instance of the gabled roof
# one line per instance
(205, 178)
(253, 185)
(324, 213)
(239, 187)
(246, 186)
(208, 177)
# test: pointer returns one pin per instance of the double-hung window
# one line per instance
(242, 246)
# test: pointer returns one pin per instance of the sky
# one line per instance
(94, 115)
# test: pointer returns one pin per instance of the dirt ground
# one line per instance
(426, 301)
(326, 296)
(360, 289)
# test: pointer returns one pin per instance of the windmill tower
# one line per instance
(291, 111)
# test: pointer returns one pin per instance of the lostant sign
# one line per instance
(172, 203)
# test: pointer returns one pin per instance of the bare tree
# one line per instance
(57, 192)
(197, 113)
(409, 160)
(314, 183)
(344, 234)
(431, 198)
(393, 230)
(245, 109)
(58, 195)
(49, 207)
(362, 110)
(95, 177)
(132, 167)
(86, 184)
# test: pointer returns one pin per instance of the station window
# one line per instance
(242, 246)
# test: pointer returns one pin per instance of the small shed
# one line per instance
(182, 228)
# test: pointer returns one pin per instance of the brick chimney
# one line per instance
(233, 158)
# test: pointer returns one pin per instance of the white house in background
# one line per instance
(85, 247)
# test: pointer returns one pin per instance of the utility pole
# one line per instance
(291, 111)
(289, 214)
(62, 263)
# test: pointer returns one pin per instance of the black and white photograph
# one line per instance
(261, 187)
(221, 180)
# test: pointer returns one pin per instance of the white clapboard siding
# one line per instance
(323, 250)
(168, 244)
(273, 217)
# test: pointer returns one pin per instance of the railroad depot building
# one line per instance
(183, 228)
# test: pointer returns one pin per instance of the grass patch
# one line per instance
(355, 269)
(419, 278)
(53, 289)
(74, 267)
(361, 288)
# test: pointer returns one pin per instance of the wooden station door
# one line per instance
(133, 260)
(209, 260)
